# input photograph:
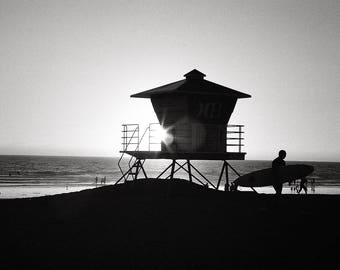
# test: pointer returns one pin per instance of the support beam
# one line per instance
(172, 169)
(167, 168)
(189, 170)
(226, 187)
(179, 167)
(182, 167)
(141, 167)
(198, 180)
(202, 176)
(136, 165)
(220, 178)
(123, 176)
(231, 167)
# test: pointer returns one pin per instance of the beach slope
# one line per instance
(163, 224)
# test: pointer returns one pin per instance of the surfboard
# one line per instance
(265, 177)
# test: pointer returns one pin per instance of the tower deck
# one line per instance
(185, 156)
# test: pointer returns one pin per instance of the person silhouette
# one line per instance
(276, 164)
(226, 187)
(313, 185)
(302, 185)
(233, 187)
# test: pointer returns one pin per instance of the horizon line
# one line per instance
(117, 156)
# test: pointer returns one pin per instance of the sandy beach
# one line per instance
(164, 224)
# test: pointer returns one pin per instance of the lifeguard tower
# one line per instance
(193, 114)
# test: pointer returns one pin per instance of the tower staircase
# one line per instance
(132, 141)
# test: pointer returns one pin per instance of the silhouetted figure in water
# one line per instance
(276, 164)
(103, 180)
(312, 188)
(96, 180)
(303, 185)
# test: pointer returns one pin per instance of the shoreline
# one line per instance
(16, 191)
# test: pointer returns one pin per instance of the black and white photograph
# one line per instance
(167, 134)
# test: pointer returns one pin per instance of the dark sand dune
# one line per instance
(161, 224)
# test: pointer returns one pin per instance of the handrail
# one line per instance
(239, 138)
(130, 134)
(235, 125)
(150, 135)
(126, 146)
(126, 143)
(125, 136)
(234, 138)
(139, 142)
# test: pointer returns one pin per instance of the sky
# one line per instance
(68, 68)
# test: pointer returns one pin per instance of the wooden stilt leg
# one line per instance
(123, 176)
(164, 171)
(138, 164)
(189, 170)
(203, 176)
(143, 170)
(220, 178)
(179, 167)
(172, 169)
(226, 188)
(193, 176)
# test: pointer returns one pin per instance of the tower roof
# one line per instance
(194, 74)
(194, 83)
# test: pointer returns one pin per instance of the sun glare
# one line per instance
(162, 135)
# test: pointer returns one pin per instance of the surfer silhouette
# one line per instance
(276, 164)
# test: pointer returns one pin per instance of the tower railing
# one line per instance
(130, 136)
(153, 138)
(133, 142)
(235, 137)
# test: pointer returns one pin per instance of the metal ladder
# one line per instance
(133, 163)
(127, 141)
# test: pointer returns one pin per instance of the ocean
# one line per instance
(32, 176)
